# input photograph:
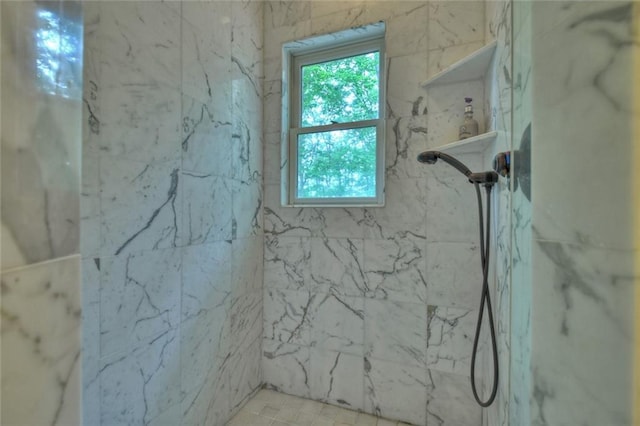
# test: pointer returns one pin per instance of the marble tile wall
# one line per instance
(373, 309)
(582, 252)
(172, 236)
(41, 84)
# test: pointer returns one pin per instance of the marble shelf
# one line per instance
(476, 144)
(471, 67)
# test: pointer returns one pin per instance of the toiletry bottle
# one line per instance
(470, 126)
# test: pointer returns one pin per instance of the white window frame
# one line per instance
(300, 55)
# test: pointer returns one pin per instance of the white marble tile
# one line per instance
(247, 207)
(450, 339)
(140, 121)
(441, 58)
(139, 43)
(206, 137)
(206, 54)
(207, 208)
(407, 33)
(348, 222)
(139, 298)
(406, 138)
(395, 391)
(153, 189)
(395, 269)
(405, 97)
(450, 401)
(287, 263)
(247, 24)
(247, 135)
(284, 13)
(454, 274)
(404, 212)
(337, 323)
(286, 221)
(287, 315)
(90, 207)
(90, 340)
(286, 367)
(139, 385)
(272, 101)
(337, 378)
(246, 321)
(206, 303)
(396, 331)
(455, 22)
(247, 260)
(245, 373)
(582, 298)
(272, 159)
(41, 322)
(451, 207)
(338, 265)
(208, 403)
(582, 121)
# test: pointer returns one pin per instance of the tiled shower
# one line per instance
(151, 275)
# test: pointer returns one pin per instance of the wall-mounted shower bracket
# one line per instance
(502, 164)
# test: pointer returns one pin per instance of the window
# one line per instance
(336, 122)
(59, 49)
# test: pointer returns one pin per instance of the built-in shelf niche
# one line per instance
(471, 67)
(475, 144)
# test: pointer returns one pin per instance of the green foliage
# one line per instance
(339, 163)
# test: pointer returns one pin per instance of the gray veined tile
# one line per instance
(247, 264)
(207, 146)
(337, 378)
(154, 190)
(140, 298)
(206, 303)
(450, 401)
(246, 320)
(338, 266)
(245, 373)
(453, 23)
(287, 262)
(396, 331)
(404, 212)
(454, 274)
(139, 44)
(140, 384)
(450, 339)
(247, 199)
(286, 367)
(207, 208)
(406, 138)
(395, 269)
(337, 323)
(287, 315)
(395, 391)
(206, 53)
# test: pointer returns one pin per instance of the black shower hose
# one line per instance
(485, 298)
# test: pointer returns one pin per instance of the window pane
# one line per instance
(343, 90)
(340, 163)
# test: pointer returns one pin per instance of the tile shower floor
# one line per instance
(269, 408)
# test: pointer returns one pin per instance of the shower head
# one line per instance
(486, 178)
(430, 157)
